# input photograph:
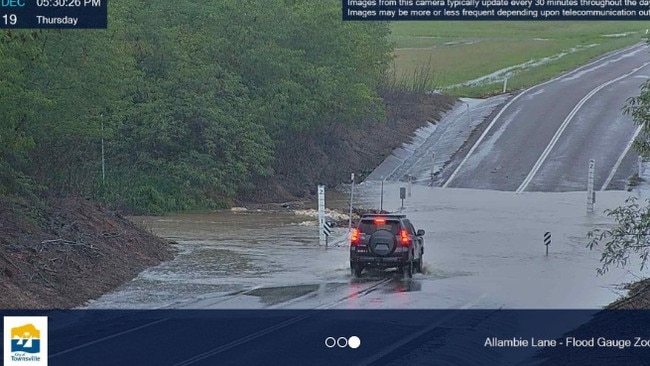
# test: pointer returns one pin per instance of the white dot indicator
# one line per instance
(354, 342)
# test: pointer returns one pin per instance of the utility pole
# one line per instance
(101, 117)
(351, 197)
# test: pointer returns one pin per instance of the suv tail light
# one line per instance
(404, 238)
(354, 239)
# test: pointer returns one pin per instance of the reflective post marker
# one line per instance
(547, 240)
(433, 160)
(410, 181)
(590, 186)
(381, 200)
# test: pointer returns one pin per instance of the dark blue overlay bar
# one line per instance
(343, 337)
(395, 10)
(43, 14)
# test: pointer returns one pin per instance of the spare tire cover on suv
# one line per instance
(382, 243)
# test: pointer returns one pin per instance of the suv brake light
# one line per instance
(404, 238)
(380, 221)
(354, 239)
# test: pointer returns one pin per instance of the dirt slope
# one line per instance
(71, 251)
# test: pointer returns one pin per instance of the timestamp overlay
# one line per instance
(496, 9)
(43, 14)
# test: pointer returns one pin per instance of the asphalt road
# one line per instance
(544, 137)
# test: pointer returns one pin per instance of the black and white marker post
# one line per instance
(547, 240)
(327, 231)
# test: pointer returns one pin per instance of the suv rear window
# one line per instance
(369, 227)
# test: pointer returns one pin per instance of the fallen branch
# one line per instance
(62, 241)
(44, 279)
(111, 235)
(68, 242)
(50, 270)
(10, 262)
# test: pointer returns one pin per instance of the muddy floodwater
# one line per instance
(227, 252)
(483, 249)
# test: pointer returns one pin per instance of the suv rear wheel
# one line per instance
(356, 269)
(418, 265)
(407, 269)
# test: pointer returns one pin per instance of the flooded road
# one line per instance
(228, 252)
(483, 249)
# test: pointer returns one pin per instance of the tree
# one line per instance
(20, 55)
(631, 234)
(193, 100)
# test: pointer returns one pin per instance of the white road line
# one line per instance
(480, 139)
(108, 337)
(564, 125)
(620, 160)
(615, 53)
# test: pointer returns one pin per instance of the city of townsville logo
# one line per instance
(25, 340)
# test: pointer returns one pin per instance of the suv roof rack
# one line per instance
(386, 215)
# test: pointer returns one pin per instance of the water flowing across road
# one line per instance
(483, 249)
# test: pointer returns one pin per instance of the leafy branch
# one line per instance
(629, 237)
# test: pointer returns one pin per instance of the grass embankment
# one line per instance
(452, 53)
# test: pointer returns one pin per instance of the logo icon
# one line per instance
(25, 340)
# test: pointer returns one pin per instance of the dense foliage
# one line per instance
(630, 236)
(190, 100)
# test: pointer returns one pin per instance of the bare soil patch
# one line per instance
(68, 252)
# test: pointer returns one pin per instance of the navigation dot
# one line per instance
(354, 342)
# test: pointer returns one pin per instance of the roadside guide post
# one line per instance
(547, 240)
(402, 195)
(351, 197)
(327, 230)
(410, 180)
(381, 199)
(640, 166)
(433, 159)
(591, 195)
